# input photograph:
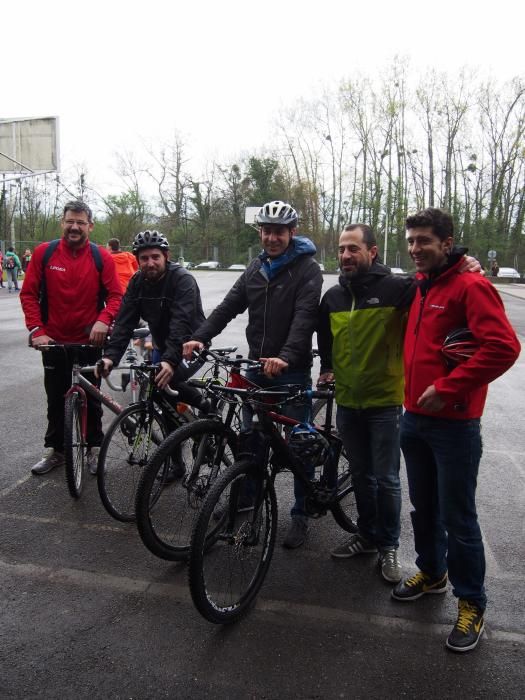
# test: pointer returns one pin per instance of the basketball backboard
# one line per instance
(29, 145)
(249, 215)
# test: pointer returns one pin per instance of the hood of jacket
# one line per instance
(299, 245)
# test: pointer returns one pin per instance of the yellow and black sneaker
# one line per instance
(468, 627)
(420, 584)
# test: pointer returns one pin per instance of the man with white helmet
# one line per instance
(281, 289)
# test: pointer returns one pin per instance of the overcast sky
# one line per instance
(120, 73)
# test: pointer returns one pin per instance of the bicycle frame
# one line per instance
(269, 420)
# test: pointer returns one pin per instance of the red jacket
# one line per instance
(73, 284)
(453, 301)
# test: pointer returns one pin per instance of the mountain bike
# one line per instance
(75, 413)
(231, 548)
(132, 438)
(166, 511)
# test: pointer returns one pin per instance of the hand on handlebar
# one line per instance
(273, 366)
(41, 340)
(103, 367)
(164, 375)
(98, 334)
(189, 348)
(325, 378)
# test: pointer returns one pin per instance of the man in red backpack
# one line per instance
(71, 294)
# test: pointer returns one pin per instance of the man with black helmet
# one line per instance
(167, 297)
(281, 289)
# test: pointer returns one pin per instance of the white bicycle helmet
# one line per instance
(277, 213)
(150, 239)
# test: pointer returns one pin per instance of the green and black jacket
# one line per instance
(360, 335)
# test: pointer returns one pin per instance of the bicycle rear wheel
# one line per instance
(345, 509)
(231, 548)
(128, 444)
(166, 511)
(74, 447)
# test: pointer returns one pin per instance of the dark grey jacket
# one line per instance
(282, 307)
(171, 307)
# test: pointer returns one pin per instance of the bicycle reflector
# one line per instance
(458, 347)
(308, 444)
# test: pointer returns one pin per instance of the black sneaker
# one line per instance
(468, 628)
(420, 584)
(296, 534)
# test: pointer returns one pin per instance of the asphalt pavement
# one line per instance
(87, 611)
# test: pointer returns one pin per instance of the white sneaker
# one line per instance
(390, 567)
(92, 460)
(48, 462)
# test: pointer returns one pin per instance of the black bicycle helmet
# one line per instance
(277, 213)
(150, 239)
(459, 346)
(309, 445)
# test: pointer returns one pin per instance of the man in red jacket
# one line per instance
(74, 277)
(440, 430)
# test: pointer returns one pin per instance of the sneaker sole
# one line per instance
(432, 591)
(470, 646)
(349, 555)
(41, 472)
(390, 579)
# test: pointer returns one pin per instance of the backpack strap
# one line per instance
(43, 284)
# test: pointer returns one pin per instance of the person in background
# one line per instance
(12, 266)
(494, 269)
(125, 263)
(26, 259)
(73, 311)
(440, 429)
(1, 270)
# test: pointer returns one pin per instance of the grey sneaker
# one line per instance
(296, 533)
(357, 544)
(92, 460)
(46, 464)
(390, 568)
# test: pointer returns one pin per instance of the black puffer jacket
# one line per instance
(171, 307)
(282, 311)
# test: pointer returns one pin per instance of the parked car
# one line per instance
(509, 272)
(208, 265)
(397, 271)
(320, 265)
(237, 266)
(187, 264)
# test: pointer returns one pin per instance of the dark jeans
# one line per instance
(57, 380)
(442, 458)
(371, 440)
(301, 413)
(187, 394)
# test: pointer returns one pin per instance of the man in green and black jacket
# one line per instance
(361, 331)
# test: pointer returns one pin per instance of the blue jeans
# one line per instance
(371, 439)
(301, 413)
(442, 458)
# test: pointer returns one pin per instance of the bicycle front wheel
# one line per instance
(128, 444)
(166, 508)
(74, 447)
(232, 546)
